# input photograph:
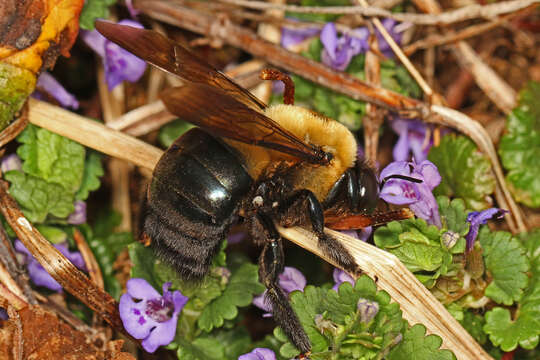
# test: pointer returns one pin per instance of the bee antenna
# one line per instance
(402, 177)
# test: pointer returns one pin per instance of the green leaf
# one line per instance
(507, 263)
(201, 349)
(418, 246)
(466, 173)
(52, 157)
(237, 341)
(38, 198)
(92, 10)
(52, 233)
(172, 131)
(143, 260)
(242, 285)
(520, 145)
(333, 323)
(474, 324)
(415, 345)
(524, 329)
(453, 215)
(93, 170)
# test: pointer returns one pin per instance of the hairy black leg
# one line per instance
(349, 182)
(271, 264)
(329, 245)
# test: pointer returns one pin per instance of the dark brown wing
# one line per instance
(164, 53)
(219, 114)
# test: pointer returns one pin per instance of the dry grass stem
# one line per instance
(468, 12)
(416, 302)
(94, 271)
(14, 129)
(92, 134)
(9, 282)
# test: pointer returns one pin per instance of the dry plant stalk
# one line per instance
(464, 13)
(417, 303)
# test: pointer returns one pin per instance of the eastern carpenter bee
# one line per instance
(267, 164)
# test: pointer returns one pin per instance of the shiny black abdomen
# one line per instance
(195, 193)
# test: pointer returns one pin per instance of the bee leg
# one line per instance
(271, 264)
(328, 244)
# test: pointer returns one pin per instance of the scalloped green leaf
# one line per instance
(505, 259)
(202, 348)
(172, 131)
(466, 173)
(38, 198)
(332, 322)
(520, 145)
(524, 329)
(93, 170)
(242, 285)
(52, 157)
(474, 324)
(415, 345)
(418, 246)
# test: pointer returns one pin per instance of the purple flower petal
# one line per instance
(141, 289)
(149, 316)
(11, 162)
(119, 64)
(49, 84)
(329, 39)
(293, 36)
(361, 234)
(291, 279)
(419, 196)
(477, 218)
(412, 138)
(132, 11)
(78, 216)
(259, 354)
(368, 309)
(38, 274)
(340, 277)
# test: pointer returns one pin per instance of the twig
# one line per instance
(57, 265)
(7, 257)
(202, 23)
(9, 282)
(11, 298)
(465, 13)
(416, 302)
(474, 30)
(14, 129)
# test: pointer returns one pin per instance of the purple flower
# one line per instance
(340, 277)
(78, 216)
(149, 316)
(338, 51)
(46, 82)
(418, 196)
(3, 314)
(11, 162)
(119, 64)
(391, 26)
(412, 138)
(290, 279)
(361, 234)
(294, 36)
(38, 274)
(367, 309)
(259, 354)
(477, 218)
